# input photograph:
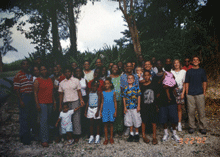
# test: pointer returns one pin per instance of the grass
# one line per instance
(8, 74)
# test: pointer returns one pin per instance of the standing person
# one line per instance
(120, 67)
(131, 100)
(23, 86)
(140, 61)
(119, 121)
(74, 65)
(148, 66)
(36, 72)
(59, 69)
(139, 72)
(167, 110)
(109, 69)
(84, 90)
(92, 111)
(187, 65)
(104, 73)
(98, 63)
(108, 110)
(43, 93)
(70, 93)
(154, 68)
(180, 89)
(89, 74)
(97, 75)
(148, 106)
(133, 66)
(196, 84)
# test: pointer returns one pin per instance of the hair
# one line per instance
(67, 68)
(110, 81)
(174, 62)
(128, 62)
(148, 61)
(43, 65)
(86, 61)
(74, 62)
(197, 57)
(118, 69)
(100, 60)
(65, 104)
(131, 75)
(81, 70)
(147, 71)
(168, 67)
(100, 72)
(95, 82)
(136, 69)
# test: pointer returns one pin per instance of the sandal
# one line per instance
(105, 142)
(111, 141)
(45, 144)
(154, 141)
(146, 140)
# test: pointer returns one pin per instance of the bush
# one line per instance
(12, 66)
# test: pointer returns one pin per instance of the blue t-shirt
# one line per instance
(195, 78)
(124, 80)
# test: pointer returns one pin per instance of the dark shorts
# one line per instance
(149, 113)
(168, 113)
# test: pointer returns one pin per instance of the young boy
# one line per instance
(196, 83)
(148, 106)
(66, 123)
(131, 100)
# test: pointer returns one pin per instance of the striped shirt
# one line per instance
(22, 83)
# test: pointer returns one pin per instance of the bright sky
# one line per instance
(99, 25)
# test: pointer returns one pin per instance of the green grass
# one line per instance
(8, 74)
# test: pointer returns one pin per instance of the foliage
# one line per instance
(8, 90)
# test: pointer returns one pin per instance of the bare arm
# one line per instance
(102, 101)
(115, 103)
(57, 122)
(19, 98)
(61, 100)
(204, 86)
(36, 88)
(139, 104)
(125, 109)
(80, 98)
(187, 88)
(99, 103)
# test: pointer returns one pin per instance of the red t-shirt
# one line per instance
(45, 91)
(189, 67)
(61, 78)
(101, 85)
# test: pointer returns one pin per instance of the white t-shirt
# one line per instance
(179, 77)
(83, 86)
(89, 76)
(66, 118)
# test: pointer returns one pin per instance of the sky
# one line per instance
(98, 25)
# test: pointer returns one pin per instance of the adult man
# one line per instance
(23, 86)
(98, 63)
(196, 83)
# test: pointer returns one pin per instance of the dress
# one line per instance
(108, 107)
(169, 80)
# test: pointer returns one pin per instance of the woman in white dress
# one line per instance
(88, 74)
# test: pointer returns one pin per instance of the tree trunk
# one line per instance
(72, 28)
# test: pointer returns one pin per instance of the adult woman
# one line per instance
(118, 124)
(87, 72)
(180, 89)
(43, 93)
(84, 90)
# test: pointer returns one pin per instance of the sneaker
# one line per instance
(203, 131)
(191, 130)
(91, 139)
(179, 128)
(171, 128)
(127, 132)
(165, 137)
(70, 142)
(130, 138)
(136, 138)
(176, 138)
(97, 139)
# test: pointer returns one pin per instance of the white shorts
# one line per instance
(91, 113)
(68, 128)
(132, 118)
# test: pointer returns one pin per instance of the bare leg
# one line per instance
(180, 112)
(136, 130)
(106, 131)
(154, 130)
(91, 126)
(98, 127)
(131, 129)
(165, 126)
(143, 126)
(69, 136)
(111, 130)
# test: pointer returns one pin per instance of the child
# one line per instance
(139, 72)
(66, 124)
(108, 109)
(168, 80)
(92, 111)
(131, 100)
(104, 73)
(148, 106)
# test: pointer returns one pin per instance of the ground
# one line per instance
(198, 144)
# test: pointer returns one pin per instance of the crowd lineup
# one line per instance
(122, 98)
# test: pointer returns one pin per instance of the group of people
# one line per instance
(76, 101)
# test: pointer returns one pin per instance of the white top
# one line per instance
(89, 76)
(155, 69)
(179, 77)
(34, 78)
(66, 118)
(83, 86)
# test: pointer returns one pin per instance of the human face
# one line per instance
(168, 61)
(114, 69)
(107, 85)
(159, 65)
(78, 73)
(125, 68)
(58, 68)
(153, 60)
(147, 65)
(139, 71)
(187, 62)
(147, 76)
(133, 64)
(38, 60)
(129, 68)
(36, 71)
(65, 108)
(74, 65)
(104, 71)
(140, 59)
(67, 73)
(196, 61)
(120, 64)
(96, 73)
(25, 65)
(130, 79)
(176, 64)
(86, 65)
(110, 65)
(98, 63)
(43, 71)
(94, 87)
(55, 71)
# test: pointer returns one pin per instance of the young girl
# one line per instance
(168, 80)
(92, 111)
(108, 109)
(104, 73)
(139, 72)
(66, 124)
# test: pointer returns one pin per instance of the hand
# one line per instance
(100, 114)
(38, 108)
(115, 114)
(85, 114)
(204, 94)
(54, 106)
(82, 103)
(60, 109)
(138, 109)
(97, 114)
(125, 110)
(182, 96)
(22, 105)
(56, 124)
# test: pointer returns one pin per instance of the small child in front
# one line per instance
(66, 123)
(131, 100)
(108, 109)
